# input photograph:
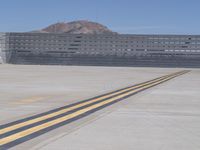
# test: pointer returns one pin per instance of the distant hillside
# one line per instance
(77, 27)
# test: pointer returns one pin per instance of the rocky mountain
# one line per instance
(77, 27)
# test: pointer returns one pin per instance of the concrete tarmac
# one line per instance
(164, 117)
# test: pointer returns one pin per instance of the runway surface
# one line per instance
(17, 132)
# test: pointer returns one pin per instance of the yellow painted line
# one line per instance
(70, 116)
(22, 124)
(2, 131)
(30, 100)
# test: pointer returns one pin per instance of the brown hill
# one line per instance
(77, 27)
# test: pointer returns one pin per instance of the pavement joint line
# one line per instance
(22, 136)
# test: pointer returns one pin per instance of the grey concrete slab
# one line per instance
(164, 117)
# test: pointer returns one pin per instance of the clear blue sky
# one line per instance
(124, 16)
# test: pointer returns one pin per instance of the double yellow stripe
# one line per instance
(122, 94)
(19, 125)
